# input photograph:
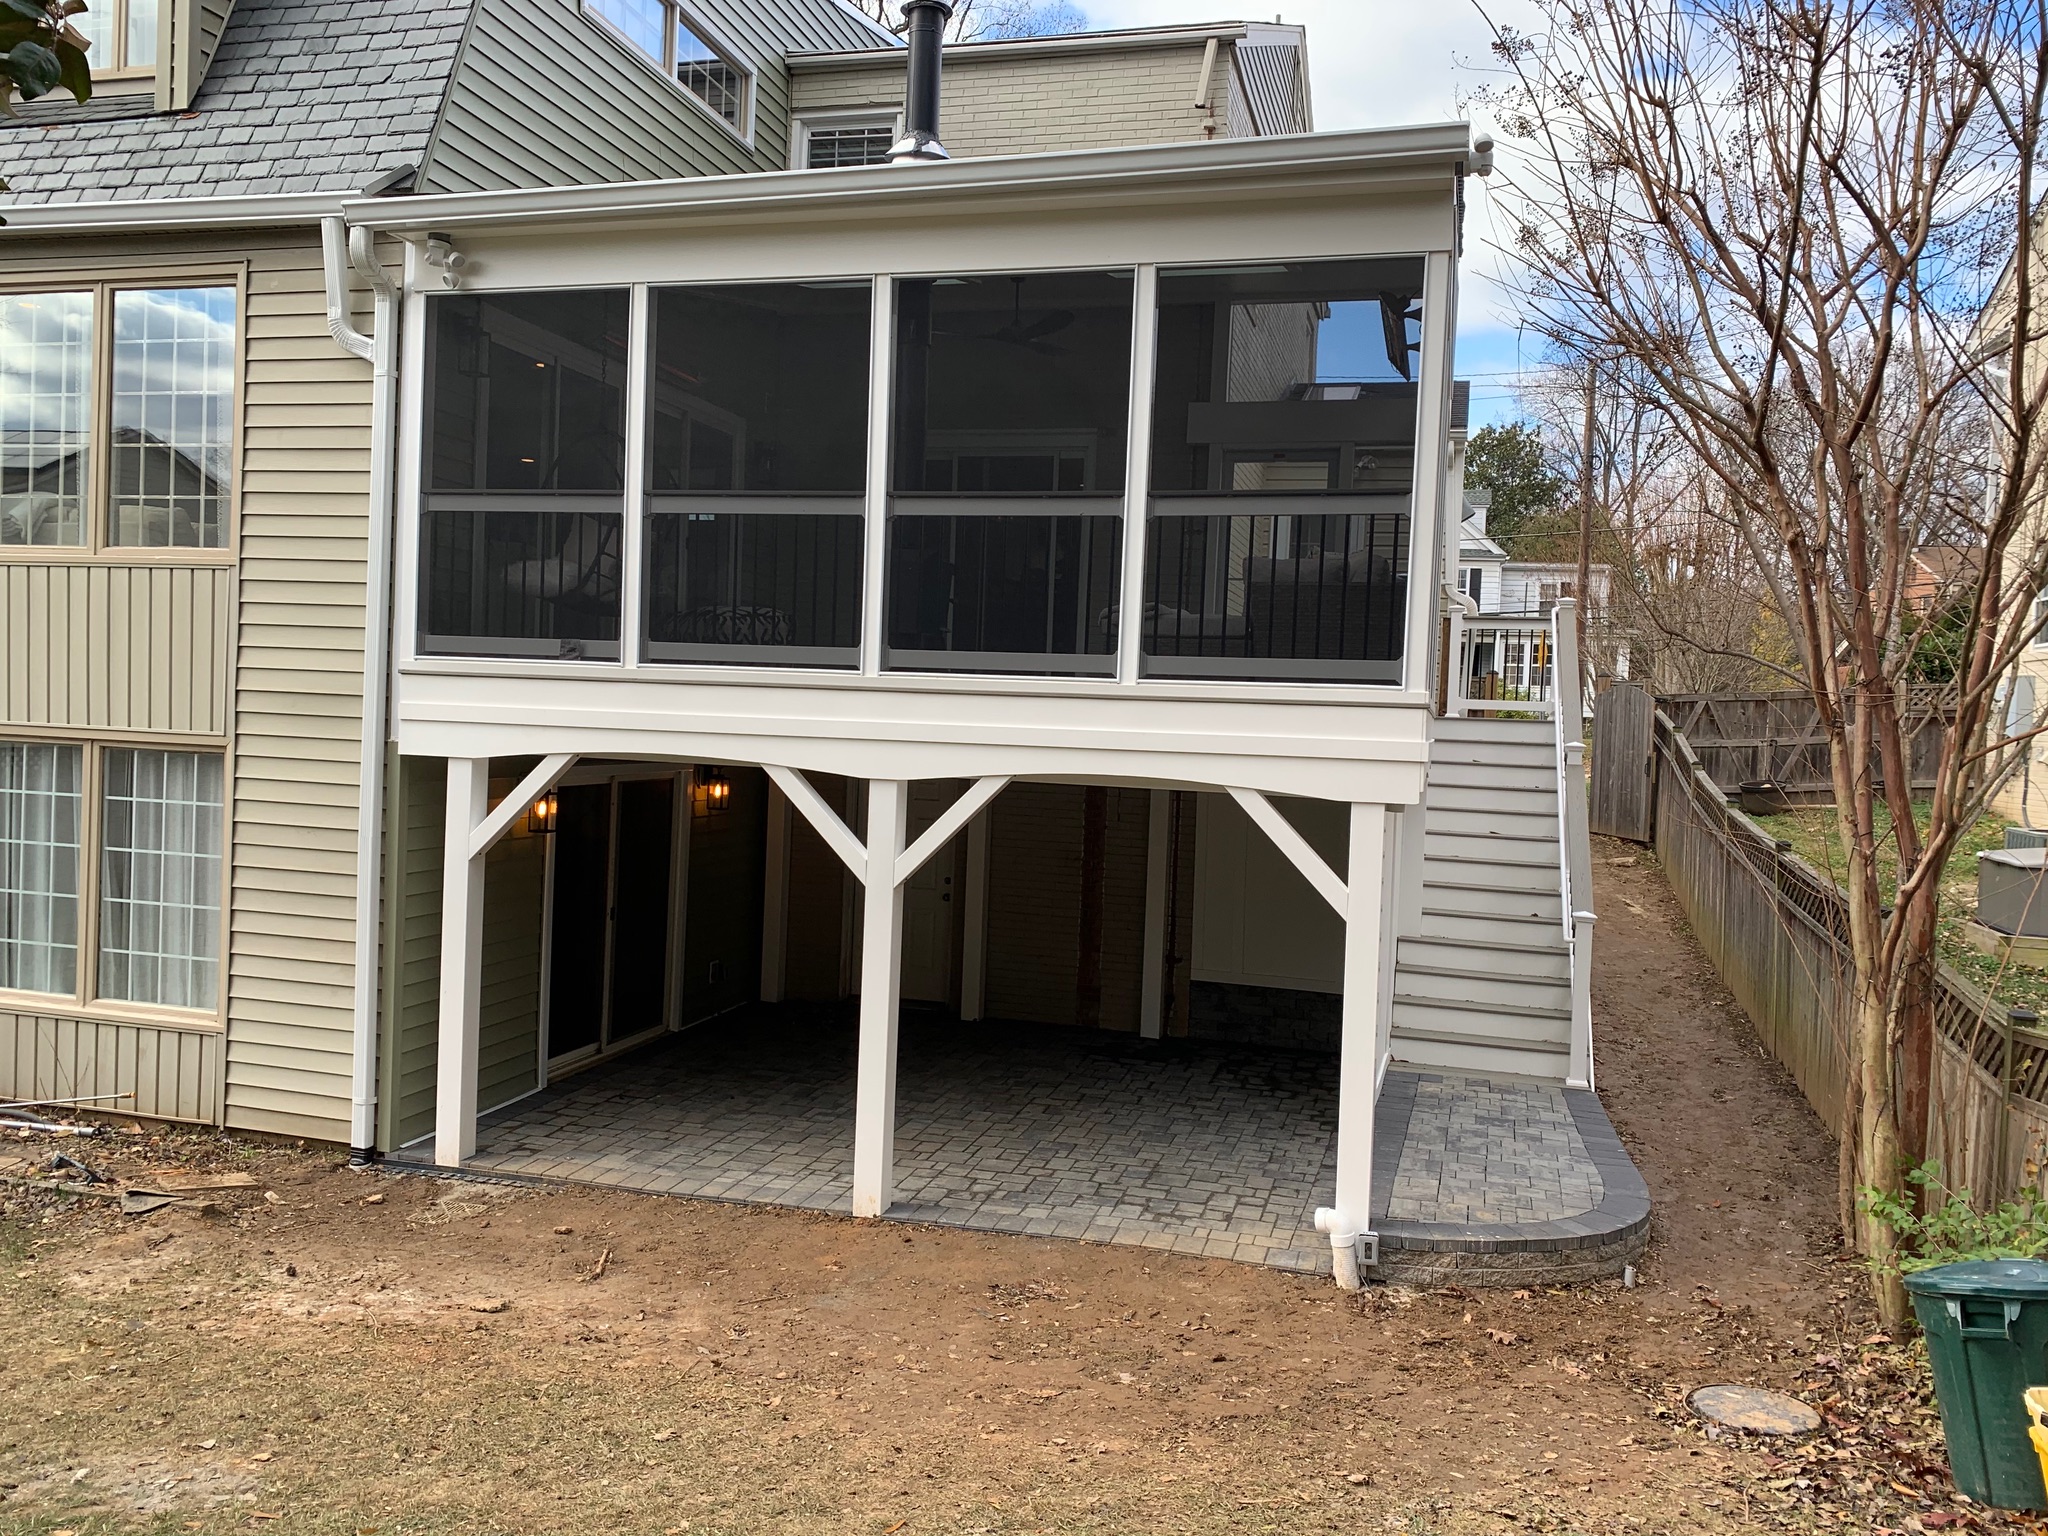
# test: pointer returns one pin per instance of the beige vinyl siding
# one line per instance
(412, 949)
(508, 1024)
(998, 106)
(515, 884)
(173, 1073)
(284, 683)
(116, 647)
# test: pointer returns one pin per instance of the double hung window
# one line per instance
(121, 36)
(117, 417)
(146, 865)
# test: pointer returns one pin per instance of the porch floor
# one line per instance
(1220, 1151)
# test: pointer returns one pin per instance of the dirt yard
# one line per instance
(343, 1353)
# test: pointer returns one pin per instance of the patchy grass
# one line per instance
(2010, 983)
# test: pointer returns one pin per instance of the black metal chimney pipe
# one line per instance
(925, 21)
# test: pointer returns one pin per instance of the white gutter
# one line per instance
(134, 215)
(380, 347)
(1100, 172)
(1029, 47)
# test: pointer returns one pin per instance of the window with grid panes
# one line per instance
(160, 877)
(117, 416)
(39, 842)
(662, 31)
(120, 36)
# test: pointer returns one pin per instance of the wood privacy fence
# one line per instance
(1776, 930)
(1777, 738)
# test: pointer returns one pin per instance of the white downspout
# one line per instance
(341, 249)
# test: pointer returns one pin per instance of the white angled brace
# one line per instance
(1296, 848)
(530, 789)
(947, 827)
(822, 817)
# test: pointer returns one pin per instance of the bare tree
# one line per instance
(1787, 214)
(988, 20)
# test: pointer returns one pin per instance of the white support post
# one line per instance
(881, 977)
(881, 425)
(974, 922)
(1454, 665)
(1137, 473)
(1152, 994)
(462, 944)
(1366, 956)
(633, 545)
(775, 898)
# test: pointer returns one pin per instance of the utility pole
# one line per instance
(1586, 483)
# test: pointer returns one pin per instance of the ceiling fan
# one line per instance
(1020, 333)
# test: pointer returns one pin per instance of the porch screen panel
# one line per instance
(39, 831)
(173, 416)
(1008, 446)
(1283, 471)
(756, 468)
(46, 347)
(523, 529)
(160, 883)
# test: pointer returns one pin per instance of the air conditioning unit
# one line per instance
(2025, 837)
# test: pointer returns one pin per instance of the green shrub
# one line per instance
(1953, 1230)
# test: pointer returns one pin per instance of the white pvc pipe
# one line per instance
(381, 349)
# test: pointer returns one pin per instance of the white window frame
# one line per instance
(117, 40)
(85, 999)
(2039, 616)
(665, 67)
(851, 117)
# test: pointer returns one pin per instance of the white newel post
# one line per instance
(1367, 957)
(881, 978)
(462, 943)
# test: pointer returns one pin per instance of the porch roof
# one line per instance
(1424, 155)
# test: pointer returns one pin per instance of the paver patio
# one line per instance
(1222, 1151)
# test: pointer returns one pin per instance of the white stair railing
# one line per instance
(1575, 844)
(1505, 665)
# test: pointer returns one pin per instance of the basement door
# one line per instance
(612, 923)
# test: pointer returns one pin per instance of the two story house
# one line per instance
(510, 578)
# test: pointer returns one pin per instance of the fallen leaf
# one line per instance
(273, 1197)
(489, 1304)
(207, 1445)
(664, 1434)
(373, 1199)
(1503, 1336)
(1125, 1377)
(1357, 1479)
(263, 1456)
(890, 1530)
(563, 1231)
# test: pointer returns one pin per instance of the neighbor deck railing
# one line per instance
(1501, 664)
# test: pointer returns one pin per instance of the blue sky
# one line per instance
(1374, 63)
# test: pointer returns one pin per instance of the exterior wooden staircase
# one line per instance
(1494, 976)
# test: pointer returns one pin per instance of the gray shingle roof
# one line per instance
(303, 96)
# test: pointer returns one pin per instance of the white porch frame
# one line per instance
(470, 831)
(881, 865)
(1363, 898)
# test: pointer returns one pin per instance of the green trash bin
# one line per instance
(1987, 1336)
